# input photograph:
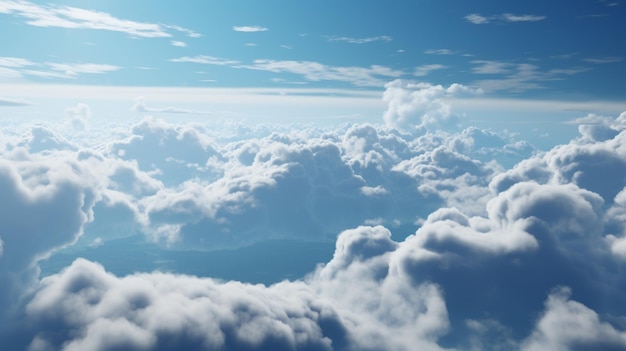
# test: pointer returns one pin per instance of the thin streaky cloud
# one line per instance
(505, 17)
(206, 60)
(366, 40)
(601, 60)
(189, 32)
(424, 70)
(15, 62)
(439, 52)
(314, 71)
(5, 101)
(249, 29)
(140, 106)
(48, 74)
(91, 68)
(476, 18)
(78, 18)
(522, 18)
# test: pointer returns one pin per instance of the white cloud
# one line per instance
(505, 17)
(15, 62)
(468, 276)
(522, 18)
(424, 70)
(414, 105)
(602, 60)
(140, 106)
(72, 70)
(518, 77)
(439, 52)
(366, 40)
(476, 18)
(583, 327)
(207, 60)
(73, 17)
(78, 116)
(180, 44)
(315, 71)
(5, 101)
(250, 29)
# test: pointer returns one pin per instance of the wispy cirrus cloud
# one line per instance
(374, 75)
(6, 101)
(366, 40)
(205, 59)
(476, 18)
(424, 70)
(15, 62)
(19, 67)
(314, 71)
(249, 29)
(439, 52)
(79, 18)
(141, 107)
(517, 77)
(601, 60)
(78, 68)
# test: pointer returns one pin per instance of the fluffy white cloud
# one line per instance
(78, 116)
(413, 105)
(491, 248)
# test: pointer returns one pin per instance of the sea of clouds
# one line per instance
(463, 239)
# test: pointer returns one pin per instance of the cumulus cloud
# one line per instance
(414, 105)
(78, 116)
(497, 258)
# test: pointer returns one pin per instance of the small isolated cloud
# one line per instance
(249, 29)
(205, 59)
(509, 17)
(351, 40)
(505, 17)
(140, 106)
(601, 60)
(439, 52)
(424, 70)
(5, 101)
(476, 18)
(180, 44)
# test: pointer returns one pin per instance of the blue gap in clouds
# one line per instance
(267, 262)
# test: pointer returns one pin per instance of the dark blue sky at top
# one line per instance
(555, 49)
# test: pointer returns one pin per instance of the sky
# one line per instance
(354, 175)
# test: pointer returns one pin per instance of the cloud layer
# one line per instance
(438, 246)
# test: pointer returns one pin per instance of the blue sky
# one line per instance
(564, 50)
(319, 175)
